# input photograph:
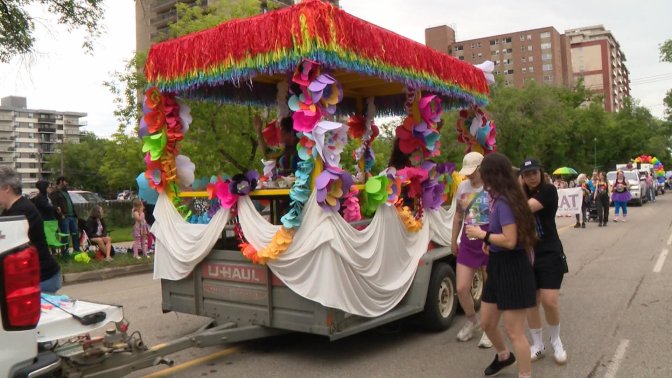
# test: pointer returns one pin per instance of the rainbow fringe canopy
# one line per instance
(242, 60)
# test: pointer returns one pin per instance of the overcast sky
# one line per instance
(60, 76)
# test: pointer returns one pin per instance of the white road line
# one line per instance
(661, 260)
(669, 241)
(615, 362)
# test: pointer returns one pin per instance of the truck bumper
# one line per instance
(44, 365)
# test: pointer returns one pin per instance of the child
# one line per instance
(140, 230)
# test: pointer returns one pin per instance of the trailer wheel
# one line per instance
(477, 288)
(441, 303)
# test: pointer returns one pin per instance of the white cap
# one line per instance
(470, 162)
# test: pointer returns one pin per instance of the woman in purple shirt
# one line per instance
(509, 290)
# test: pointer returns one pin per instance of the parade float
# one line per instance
(335, 252)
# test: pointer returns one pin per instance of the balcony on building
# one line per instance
(45, 128)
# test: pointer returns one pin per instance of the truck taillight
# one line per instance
(21, 274)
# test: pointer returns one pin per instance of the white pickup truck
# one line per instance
(20, 305)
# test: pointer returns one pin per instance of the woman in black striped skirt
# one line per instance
(510, 288)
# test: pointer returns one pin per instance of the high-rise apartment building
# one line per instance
(28, 136)
(539, 54)
(598, 59)
(546, 56)
(153, 17)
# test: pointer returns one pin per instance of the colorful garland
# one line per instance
(658, 168)
(276, 42)
(476, 130)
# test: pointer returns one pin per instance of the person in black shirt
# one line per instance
(550, 263)
(14, 203)
(42, 201)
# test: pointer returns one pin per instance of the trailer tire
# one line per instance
(441, 302)
(477, 286)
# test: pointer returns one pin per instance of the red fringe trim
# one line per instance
(280, 31)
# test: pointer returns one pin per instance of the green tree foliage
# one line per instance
(666, 56)
(80, 162)
(17, 25)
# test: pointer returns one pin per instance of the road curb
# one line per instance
(107, 273)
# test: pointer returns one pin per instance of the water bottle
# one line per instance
(472, 222)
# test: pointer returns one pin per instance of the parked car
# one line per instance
(20, 305)
(83, 196)
(636, 187)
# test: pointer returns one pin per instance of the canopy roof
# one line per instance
(242, 60)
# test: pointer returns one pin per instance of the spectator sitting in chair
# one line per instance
(97, 232)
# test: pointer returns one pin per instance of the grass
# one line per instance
(122, 234)
(69, 265)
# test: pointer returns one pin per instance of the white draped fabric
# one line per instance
(362, 272)
(180, 245)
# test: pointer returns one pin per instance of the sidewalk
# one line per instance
(107, 273)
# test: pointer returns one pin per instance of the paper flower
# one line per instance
(430, 109)
(154, 173)
(250, 252)
(272, 134)
(278, 245)
(375, 194)
(306, 119)
(306, 147)
(154, 144)
(476, 131)
(408, 220)
(185, 115)
(153, 99)
(185, 170)
(331, 185)
(330, 140)
(243, 184)
(413, 178)
(432, 194)
(155, 120)
(298, 194)
(220, 190)
(352, 212)
(306, 72)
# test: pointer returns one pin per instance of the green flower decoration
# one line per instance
(154, 144)
(375, 194)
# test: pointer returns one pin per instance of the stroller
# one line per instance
(592, 210)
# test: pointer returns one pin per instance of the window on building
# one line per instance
(546, 45)
(508, 51)
(546, 56)
(522, 49)
(507, 40)
(530, 59)
(545, 35)
(30, 115)
(522, 37)
(523, 59)
(459, 48)
(493, 42)
(509, 72)
(473, 45)
(548, 78)
(506, 82)
(530, 69)
(547, 67)
(529, 36)
(508, 61)
(460, 57)
(480, 55)
(529, 48)
(524, 69)
(473, 56)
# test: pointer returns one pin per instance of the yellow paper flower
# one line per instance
(279, 244)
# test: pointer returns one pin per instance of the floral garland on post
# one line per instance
(476, 130)
(363, 128)
(163, 125)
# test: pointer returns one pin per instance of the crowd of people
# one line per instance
(507, 226)
(52, 203)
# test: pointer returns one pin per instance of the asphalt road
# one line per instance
(615, 306)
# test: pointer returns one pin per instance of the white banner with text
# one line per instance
(569, 201)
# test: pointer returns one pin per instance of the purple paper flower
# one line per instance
(242, 185)
(331, 185)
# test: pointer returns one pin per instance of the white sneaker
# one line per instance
(559, 353)
(467, 331)
(537, 352)
(485, 342)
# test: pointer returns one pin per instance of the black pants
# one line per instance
(603, 210)
(584, 207)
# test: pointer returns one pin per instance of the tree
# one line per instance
(666, 56)
(80, 162)
(17, 25)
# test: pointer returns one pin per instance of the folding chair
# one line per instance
(54, 237)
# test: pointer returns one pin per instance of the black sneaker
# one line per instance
(497, 366)
(599, 225)
(577, 225)
(583, 225)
